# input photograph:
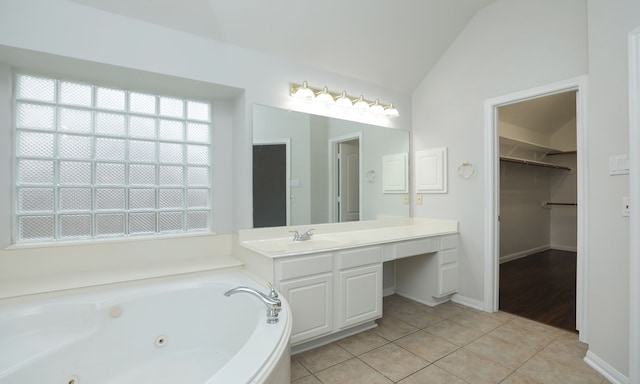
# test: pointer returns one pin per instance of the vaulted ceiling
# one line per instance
(384, 42)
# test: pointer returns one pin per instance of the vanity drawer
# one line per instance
(359, 257)
(449, 242)
(305, 266)
(416, 247)
(448, 256)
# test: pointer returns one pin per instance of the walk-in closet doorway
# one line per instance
(536, 223)
(538, 209)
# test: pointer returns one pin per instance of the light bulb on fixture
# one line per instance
(390, 110)
(308, 94)
(324, 96)
(304, 92)
(360, 104)
(377, 108)
(343, 100)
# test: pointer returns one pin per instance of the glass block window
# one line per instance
(95, 162)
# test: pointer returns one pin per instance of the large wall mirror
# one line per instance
(310, 169)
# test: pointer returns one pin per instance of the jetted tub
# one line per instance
(169, 330)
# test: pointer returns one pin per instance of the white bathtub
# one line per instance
(171, 330)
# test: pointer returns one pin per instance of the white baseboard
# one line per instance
(296, 349)
(388, 291)
(564, 248)
(605, 369)
(521, 254)
(430, 303)
(468, 302)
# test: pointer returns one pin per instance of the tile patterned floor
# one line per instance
(450, 343)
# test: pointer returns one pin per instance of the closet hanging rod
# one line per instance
(533, 162)
(546, 203)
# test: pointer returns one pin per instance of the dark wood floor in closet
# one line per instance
(541, 287)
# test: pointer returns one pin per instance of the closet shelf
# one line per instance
(533, 162)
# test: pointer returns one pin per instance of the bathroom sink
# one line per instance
(287, 245)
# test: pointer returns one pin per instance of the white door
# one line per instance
(349, 180)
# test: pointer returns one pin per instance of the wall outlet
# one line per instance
(405, 199)
(626, 211)
(419, 199)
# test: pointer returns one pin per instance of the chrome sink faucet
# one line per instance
(273, 303)
(302, 237)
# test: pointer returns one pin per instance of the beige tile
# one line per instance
(419, 316)
(545, 369)
(513, 333)
(503, 316)
(392, 328)
(323, 357)
(307, 380)
(454, 332)
(426, 346)
(562, 359)
(482, 321)
(297, 370)
(432, 375)
(517, 378)
(538, 329)
(473, 368)
(352, 371)
(509, 354)
(448, 309)
(393, 361)
(362, 342)
(395, 302)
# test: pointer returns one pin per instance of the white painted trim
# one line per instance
(287, 143)
(564, 248)
(333, 142)
(492, 206)
(605, 369)
(525, 253)
(634, 186)
(468, 302)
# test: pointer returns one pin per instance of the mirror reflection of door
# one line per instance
(269, 185)
(348, 180)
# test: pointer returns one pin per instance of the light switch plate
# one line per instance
(419, 199)
(405, 199)
(619, 165)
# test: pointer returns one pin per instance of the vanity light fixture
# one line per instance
(377, 108)
(325, 96)
(390, 110)
(360, 104)
(304, 92)
(344, 101)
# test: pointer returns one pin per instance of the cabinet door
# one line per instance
(311, 304)
(360, 295)
(448, 279)
(447, 272)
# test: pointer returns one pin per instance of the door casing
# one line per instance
(492, 188)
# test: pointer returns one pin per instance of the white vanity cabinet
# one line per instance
(330, 292)
(307, 284)
(333, 281)
(426, 269)
(359, 286)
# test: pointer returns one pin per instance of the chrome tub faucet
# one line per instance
(273, 303)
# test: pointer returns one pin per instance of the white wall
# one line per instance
(525, 227)
(563, 189)
(80, 32)
(59, 37)
(509, 46)
(610, 23)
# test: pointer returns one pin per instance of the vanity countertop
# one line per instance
(278, 241)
